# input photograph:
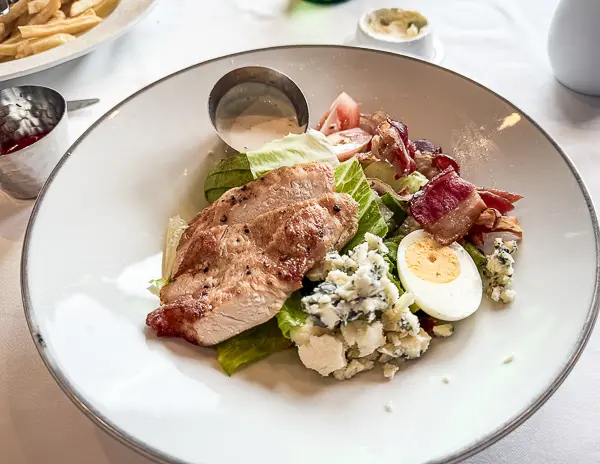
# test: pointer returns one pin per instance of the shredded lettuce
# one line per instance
(245, 167)
(291, 315)
(350, 178)
(251, 345)
(385, 172)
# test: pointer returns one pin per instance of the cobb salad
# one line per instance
(351, 243)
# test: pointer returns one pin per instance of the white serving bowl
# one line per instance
(97, 231)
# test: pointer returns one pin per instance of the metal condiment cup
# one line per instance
(262, 75)
(28, 111)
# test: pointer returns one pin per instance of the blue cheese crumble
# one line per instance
(356, 286)
(499, 271)
(357, 317)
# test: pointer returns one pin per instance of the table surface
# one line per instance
(500, 43)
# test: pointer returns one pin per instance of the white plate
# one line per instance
(125, 15)
(95, 240)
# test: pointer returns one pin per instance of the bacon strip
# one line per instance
(492, 220)
(499, 199)
(496, 202)
(509, 196)
(447, 207)
(443, 162)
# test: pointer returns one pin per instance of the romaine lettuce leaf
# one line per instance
(350, 178)
(230, 172)
(251, 345)
(477, 256)
(175, 230)
(214, 194)
(385, 172)
(291, 315)
(398, 213)
(413, 182)
(157, 284)
(290, 150)
(244, 167)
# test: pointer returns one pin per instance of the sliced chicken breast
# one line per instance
(231, 278)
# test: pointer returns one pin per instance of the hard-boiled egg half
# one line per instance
(444, 279)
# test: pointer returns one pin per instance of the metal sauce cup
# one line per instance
(25, 112)
(261, 75)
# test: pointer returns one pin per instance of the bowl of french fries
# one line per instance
(34, 26)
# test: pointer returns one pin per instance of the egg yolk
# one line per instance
(430, 261)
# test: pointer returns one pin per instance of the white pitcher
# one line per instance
(574, 45)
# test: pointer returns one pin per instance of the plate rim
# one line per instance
(68, 52)
(157, 455)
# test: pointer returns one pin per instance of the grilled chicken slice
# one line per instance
(231, 278)
(282, 187)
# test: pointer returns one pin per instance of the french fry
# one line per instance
(16, 37)
(81, 6)
(66, 26)
(35, 6)
(106, 7)
(58, 16)
(23, 20)
(28, 48)
(11, 49)
(44, 16)
(15, 11)
(34, 26)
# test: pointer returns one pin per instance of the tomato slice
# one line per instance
(343, 114)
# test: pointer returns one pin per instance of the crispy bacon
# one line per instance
(431, 164)
(443, 162)
(492, 200)
(499, 199)
(447, 207)
(512, 197)
(492, 220)
(388, 143)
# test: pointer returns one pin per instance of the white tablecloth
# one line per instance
(500, 43)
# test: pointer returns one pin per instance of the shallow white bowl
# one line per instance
(95, 239)
(423, 45)
(127, 13)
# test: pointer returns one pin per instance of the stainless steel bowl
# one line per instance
(28, 111)
(262, 75)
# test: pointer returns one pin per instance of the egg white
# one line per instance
(450, 301)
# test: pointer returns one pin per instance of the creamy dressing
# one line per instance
(252, 114)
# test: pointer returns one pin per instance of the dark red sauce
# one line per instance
(11, 147)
